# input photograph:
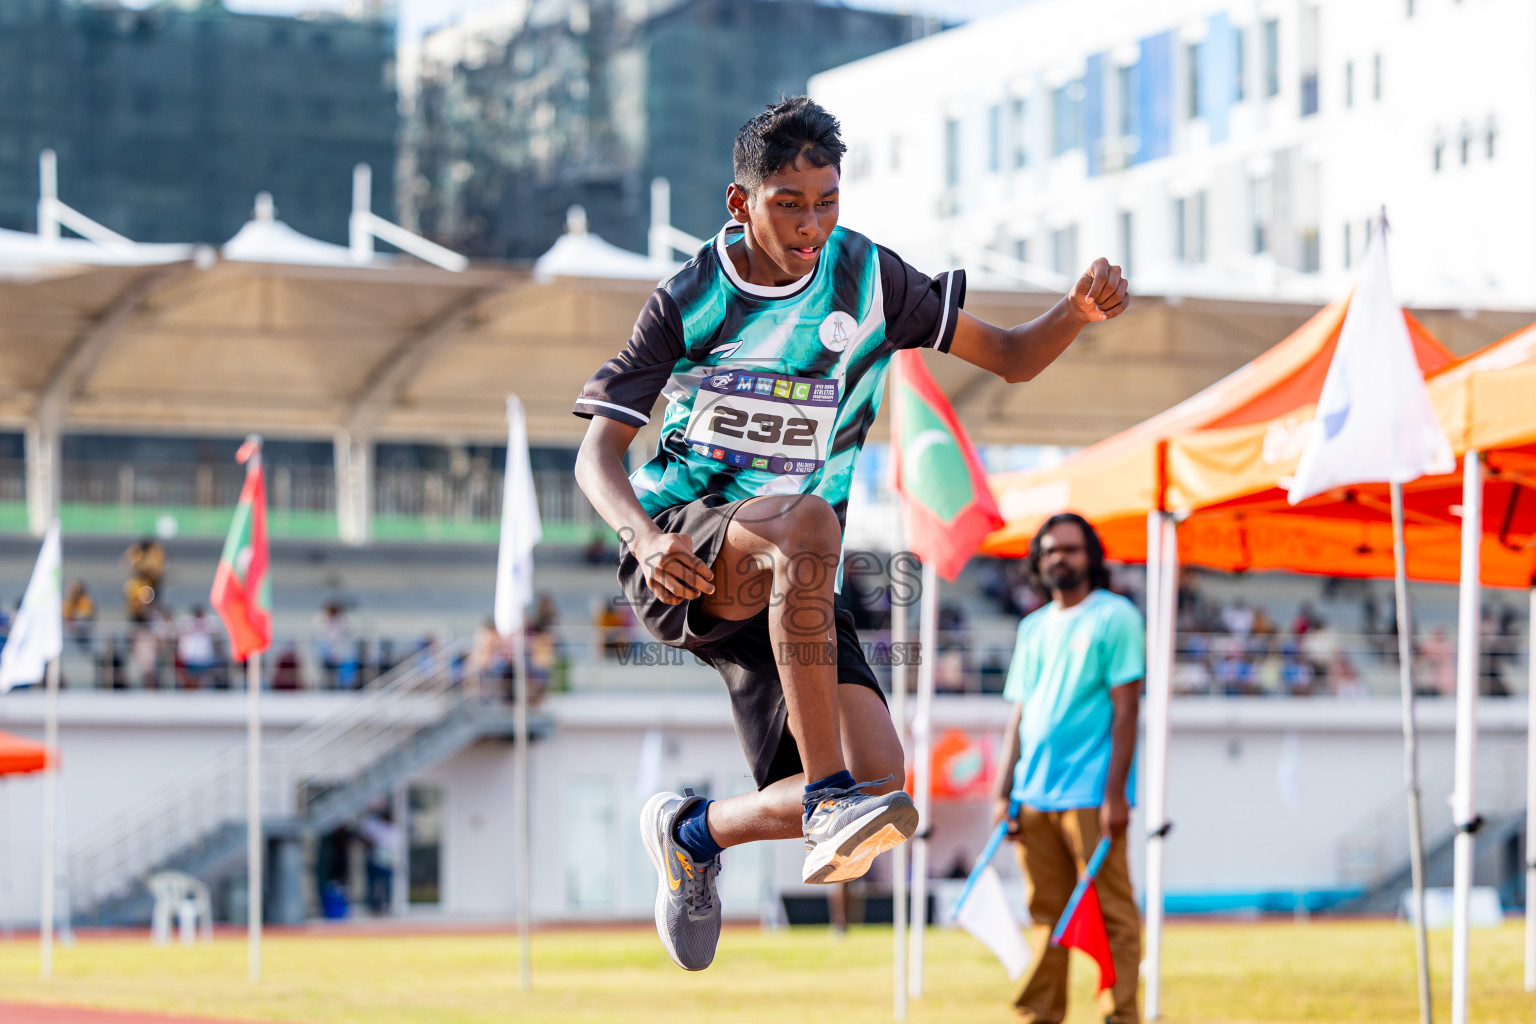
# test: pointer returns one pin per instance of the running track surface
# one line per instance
(27, 1013)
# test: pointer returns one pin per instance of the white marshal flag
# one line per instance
(985, 914)
(1374, 420)
(520, 527)
(37, 635)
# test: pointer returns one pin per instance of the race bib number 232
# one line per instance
(764, 421)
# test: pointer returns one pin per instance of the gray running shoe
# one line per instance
(846, 829)
(687, 905)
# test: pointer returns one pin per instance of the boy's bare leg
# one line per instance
(873, 752)
(783, 549)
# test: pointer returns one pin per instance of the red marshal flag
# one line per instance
(242, 591)
(1082, 922)
(947, 508)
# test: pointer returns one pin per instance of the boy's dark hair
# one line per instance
(1098, 572)
(794, 127)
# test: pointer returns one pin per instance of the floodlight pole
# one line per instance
(922, 772)
(1411, 753)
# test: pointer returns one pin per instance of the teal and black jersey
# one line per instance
(770, 390)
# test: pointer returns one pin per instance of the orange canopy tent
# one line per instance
(1118, 482)
(1229, 482)
(18, 756)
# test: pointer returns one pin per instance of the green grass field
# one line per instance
(1317, 971)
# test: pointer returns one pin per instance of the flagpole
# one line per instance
(50, 812)
(1411, 753)
(1464, 799)
(899, 719)
(922, 736)
(520, 813)
(253, 840)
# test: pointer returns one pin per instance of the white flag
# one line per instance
(1374, 420)
(520, 528)
(985, 914)
(37, 635)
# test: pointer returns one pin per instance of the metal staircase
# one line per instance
(314, 779)
(1375, 855)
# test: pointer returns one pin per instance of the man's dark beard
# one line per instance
(1063, 577)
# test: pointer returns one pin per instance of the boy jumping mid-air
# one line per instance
(771, 347)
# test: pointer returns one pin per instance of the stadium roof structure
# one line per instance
(294, 337)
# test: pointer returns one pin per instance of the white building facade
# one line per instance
(1239, 148)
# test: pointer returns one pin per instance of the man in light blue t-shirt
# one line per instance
(1069, 758)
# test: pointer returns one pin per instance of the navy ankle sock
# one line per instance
(839, 780)
(692, 832)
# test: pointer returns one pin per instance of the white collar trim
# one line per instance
(761, 290)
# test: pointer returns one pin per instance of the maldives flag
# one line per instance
(1082, 923)
(242, 592)
(948, 507)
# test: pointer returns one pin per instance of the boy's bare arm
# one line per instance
(673, 572)
(1019, 353)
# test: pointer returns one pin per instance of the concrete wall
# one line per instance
(1267, 796)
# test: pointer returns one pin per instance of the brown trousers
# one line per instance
(1054, 847)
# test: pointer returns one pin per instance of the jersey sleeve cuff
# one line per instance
(586, 408)
(954, 299)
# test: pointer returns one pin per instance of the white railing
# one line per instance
(1377, 845)
(210, 793)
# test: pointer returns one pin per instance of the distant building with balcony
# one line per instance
(515, 117)
(169, 119)
(1237, 148)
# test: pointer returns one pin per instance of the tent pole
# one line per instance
(253, 837)
(50, 816)
(922, 772)
(1411, 752)
(899, 719)
(1530, 801)
(1464, 800)
(1162, 603)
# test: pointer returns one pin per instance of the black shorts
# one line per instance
(740, 650)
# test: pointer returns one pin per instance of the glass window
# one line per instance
(952, 153)
(1239, 65)
(1376, 77)
(1439, 153)
(1180, 230)
(994, 138)
(589, 868)
(424, 838)
(1125, 94)
(1064, 250)
(1197, 229)
(1127, 241)
(1018, 132)
(1260, 193)
(1021, 250)
(1272, 57)
(1349, 248)
(1066, 118)
(1491, 136)
(1192, 79)
(1466, 144)
(1349, 83)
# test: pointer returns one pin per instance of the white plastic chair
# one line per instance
(188, 899)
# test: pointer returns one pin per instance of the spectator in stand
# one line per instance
(1306, 619)
(286, 673)
(144, 652)
(333, 641)
(195, 652)
(145, 560)
(1437, 657)
(1238, 619)
(543, 646)
(613, 626)
(79, 615)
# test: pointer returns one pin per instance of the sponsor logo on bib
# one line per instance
(836, 330)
